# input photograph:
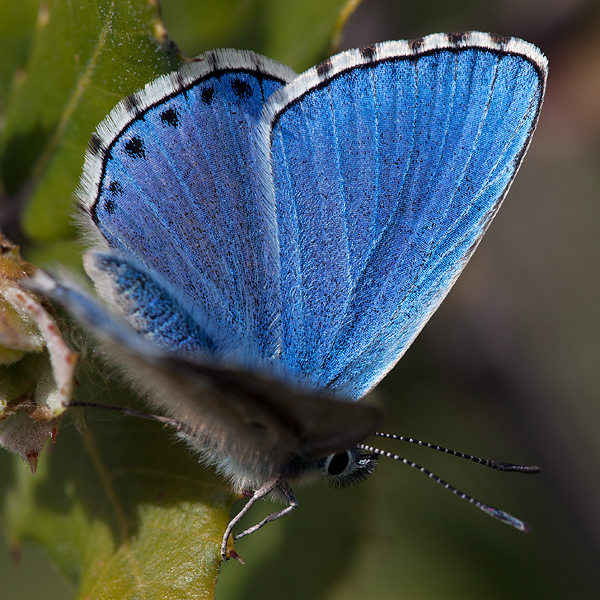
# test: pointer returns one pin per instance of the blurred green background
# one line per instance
(507, 368)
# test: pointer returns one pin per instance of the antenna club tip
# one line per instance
(530, 469)
(506, 518)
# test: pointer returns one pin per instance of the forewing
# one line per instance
(171, 181)
(388, 164)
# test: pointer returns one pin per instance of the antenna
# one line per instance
(501, 466)
(486, 508)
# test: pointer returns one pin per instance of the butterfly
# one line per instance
(269, 244)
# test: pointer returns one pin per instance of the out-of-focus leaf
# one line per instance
(122, 509)
(17, 21)
(85, 57)
(297, 34)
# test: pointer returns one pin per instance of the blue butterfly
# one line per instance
(269, 245)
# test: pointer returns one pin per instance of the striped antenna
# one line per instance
(501, 466)
(486, 508)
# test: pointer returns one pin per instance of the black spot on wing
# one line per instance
(324, 68)
(456, 38)
(499, 39)
(241, 89)
(95, 145)
(368, 53)
(416, 45)
(115, 188)
(132, 104)
(211, 59)
(169, 117)
(109, 206)
(135, 148)
(208, 95)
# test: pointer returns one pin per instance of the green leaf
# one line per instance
(291, 22)
(85, 57)
(17, 21)
(123, 511)
(297, 34)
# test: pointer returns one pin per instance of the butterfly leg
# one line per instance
(263, 491)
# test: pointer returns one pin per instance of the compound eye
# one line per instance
(347, 468)
(338, 463)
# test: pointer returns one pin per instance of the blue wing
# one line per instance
(317, 239)
(388, 164)
(171, 183)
